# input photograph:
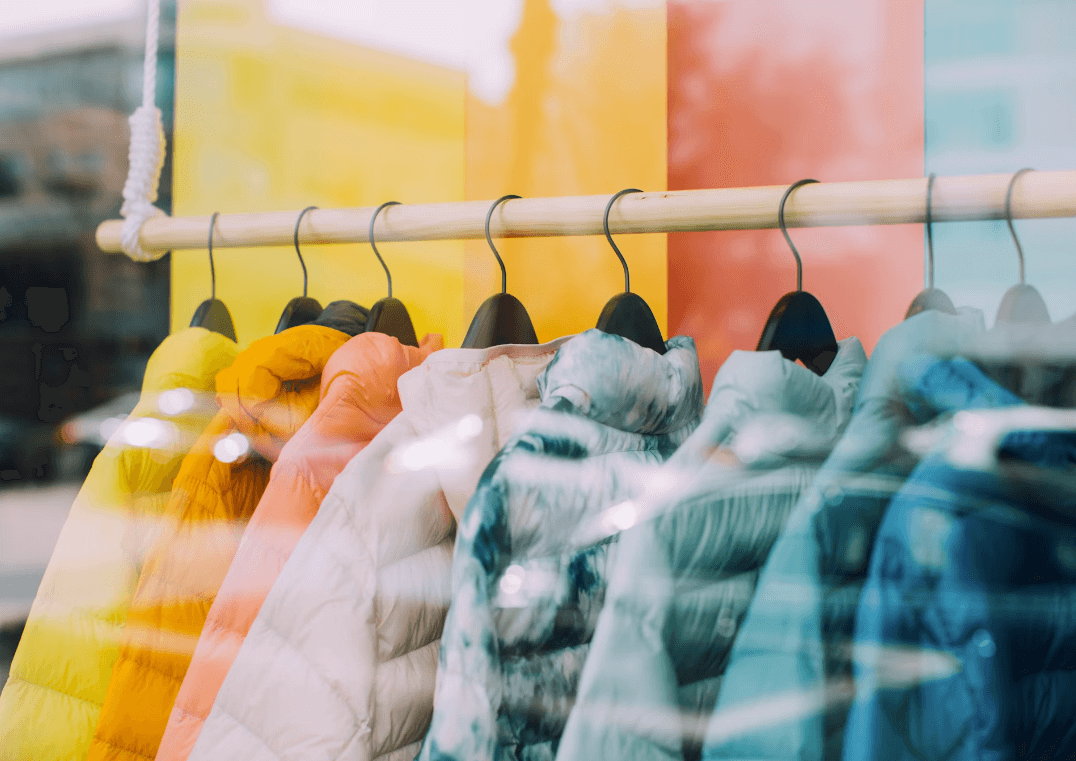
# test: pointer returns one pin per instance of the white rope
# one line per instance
(146, 155)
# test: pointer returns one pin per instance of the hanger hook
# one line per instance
(930, 229)
(298, 222)
(784, 230)
(212, 266)
(608, 237)
(1008, 218)
(489, 240)
(374, 245)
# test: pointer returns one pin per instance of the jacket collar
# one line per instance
(183, 359)
(463, 405)
(930, 332)
(618, 383)
(764, 406)
(376, 358)
(273, 386)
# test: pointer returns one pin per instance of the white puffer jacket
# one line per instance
(341, 661)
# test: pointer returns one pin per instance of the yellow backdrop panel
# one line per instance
(271, 118)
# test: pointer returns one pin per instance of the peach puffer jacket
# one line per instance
(358, 398)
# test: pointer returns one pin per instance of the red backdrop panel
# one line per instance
(766, 92)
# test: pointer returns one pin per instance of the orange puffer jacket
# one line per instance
(266, 395)
(358, 398)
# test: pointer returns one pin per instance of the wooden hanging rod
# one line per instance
(880, 202)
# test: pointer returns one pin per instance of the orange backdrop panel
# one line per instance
(767, 92)
(586, 114)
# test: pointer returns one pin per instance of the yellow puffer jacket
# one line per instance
(265, 396)
(50, 705)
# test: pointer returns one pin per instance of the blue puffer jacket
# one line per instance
(965, 633)
(787, 688)
(523, 606)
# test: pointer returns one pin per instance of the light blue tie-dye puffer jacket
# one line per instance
(524, 605)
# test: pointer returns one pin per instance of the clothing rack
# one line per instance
(1036, 195)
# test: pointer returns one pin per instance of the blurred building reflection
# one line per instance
(76, 327)
(999, 95)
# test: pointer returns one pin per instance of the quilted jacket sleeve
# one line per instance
(678, 592)
(777, 688)
(289, 502)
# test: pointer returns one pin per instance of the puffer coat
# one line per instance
(525, 596)
(61, 670)
(964, 632)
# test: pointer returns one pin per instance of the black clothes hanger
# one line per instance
(1022, 302)
(212, 314)
(301, 309)
(501, 319)
(930, 297)
(798, 326)
(627, 314)
(389, 315)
